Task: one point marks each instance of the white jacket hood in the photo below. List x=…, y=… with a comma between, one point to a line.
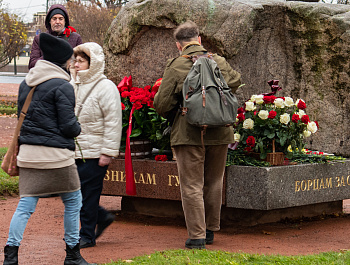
x=97, y=64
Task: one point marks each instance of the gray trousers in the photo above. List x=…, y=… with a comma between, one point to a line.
x=201, y=171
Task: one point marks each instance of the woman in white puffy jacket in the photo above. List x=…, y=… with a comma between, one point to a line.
x=98, y=109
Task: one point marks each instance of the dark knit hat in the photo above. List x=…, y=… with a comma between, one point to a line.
x=55, y=50
x=57, y=11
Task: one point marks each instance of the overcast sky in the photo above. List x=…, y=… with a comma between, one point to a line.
x=25, y=8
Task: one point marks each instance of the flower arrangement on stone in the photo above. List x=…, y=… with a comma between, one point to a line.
x=265, y=120
x=139, y=114
x=136, y=101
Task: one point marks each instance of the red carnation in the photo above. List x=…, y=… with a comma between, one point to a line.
x=123, y=106
x=150, y=104
x=240, y=110
x=250, y=141
x=138, y=105
x=241, y=117
x=272, y=114
x=72, y=29
x=305, y=119
x=248, y=149
x=125, y=84
x=295, y=118
x=153, y=93
x=269, y=99
x=301, y=104
x=68, y=31
x=317, y=125
x=156, y=85
x=125, y=94
x=161, y=158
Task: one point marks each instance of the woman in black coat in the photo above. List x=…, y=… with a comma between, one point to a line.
x=46, y=153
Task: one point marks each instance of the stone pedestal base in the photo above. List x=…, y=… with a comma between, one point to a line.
x=173, y=209
x=252, y=195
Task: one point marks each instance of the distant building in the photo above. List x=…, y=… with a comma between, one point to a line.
x=36, y=27
x=53, y=2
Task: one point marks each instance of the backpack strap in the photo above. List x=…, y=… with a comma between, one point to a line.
x=194, y=58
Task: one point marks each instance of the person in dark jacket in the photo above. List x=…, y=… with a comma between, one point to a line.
x=46, y=148
x=201, y=168
x=57, y=24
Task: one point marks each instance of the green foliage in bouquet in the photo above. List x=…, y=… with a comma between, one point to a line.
x=266, y=118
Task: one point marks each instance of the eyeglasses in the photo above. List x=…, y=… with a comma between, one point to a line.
x=80, y=61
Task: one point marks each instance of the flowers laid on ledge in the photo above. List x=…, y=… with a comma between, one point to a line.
x=239, y=157
x=161, y=158
x=266, y=118
x=137, y=106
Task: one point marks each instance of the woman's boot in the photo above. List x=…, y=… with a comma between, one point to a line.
x=73, y=256
x=11, y=255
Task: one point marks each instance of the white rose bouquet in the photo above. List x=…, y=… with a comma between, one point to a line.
x=265, y=118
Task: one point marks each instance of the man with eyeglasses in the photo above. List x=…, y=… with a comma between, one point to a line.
x=57, y=24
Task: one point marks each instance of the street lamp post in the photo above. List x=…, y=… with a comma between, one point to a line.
x=15, y=65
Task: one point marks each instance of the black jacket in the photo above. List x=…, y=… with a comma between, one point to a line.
x=50, y=120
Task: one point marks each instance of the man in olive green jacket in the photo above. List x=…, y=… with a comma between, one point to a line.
x=201, y=169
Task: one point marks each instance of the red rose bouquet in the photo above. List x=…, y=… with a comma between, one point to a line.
x=146, y=123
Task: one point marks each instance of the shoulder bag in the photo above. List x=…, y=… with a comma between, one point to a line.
x=9, y=163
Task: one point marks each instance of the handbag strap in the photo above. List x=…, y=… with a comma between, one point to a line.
x=24, y=110
x=80, y=107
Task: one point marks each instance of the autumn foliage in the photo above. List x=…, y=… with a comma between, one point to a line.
x=91, y=19
x=13, y=36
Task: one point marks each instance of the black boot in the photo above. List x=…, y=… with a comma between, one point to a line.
x=103, y=225
x=195, y=243
x=73, y=256
x=209, y=237
x=11, y=255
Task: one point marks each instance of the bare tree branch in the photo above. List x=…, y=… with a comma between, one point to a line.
x=91, y=20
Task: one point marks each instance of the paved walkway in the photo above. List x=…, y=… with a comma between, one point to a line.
x=9, y=89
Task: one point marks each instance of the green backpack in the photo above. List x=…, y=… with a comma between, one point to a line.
x=207, y=100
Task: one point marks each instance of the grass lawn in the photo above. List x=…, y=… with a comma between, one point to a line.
x=187, y=257
x=8, y=184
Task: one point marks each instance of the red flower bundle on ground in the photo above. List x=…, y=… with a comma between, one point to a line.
x=161, y=158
